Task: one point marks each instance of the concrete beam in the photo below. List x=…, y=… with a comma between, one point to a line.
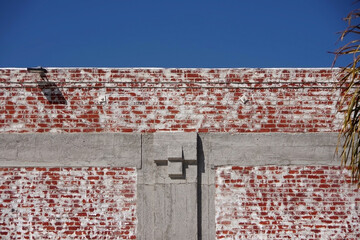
x=258, y=149
x=70, y=150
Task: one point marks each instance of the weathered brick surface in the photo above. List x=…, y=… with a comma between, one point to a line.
x=149, y=100
x=67, y=203
x=100, y=203
x=289, y=202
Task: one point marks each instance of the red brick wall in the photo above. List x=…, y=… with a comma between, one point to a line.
x=149, y=100
x=251, y=203
x=67, y=203
x=289, y=202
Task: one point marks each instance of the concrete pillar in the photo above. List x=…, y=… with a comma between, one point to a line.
x=167, y=187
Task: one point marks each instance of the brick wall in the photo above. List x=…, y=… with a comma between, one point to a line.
x=251, y=202
x=289, y=202
x=67, y=203
x=149, y=100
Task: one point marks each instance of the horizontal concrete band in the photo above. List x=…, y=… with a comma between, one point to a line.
x=119, y=149
x=70, y=150
x=257, y=149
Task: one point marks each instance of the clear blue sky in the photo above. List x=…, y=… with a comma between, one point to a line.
x=171, y=33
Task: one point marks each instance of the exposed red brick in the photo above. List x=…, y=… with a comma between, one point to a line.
x=33, y=207
x=278, y=206
x=149, y=100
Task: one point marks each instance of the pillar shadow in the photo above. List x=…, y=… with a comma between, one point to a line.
x=200, y=170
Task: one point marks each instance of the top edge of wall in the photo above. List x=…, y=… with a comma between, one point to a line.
x=159, y=68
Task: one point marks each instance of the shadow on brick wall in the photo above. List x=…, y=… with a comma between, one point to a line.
x=52, y=92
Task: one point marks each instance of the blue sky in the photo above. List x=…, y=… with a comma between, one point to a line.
x=191, y=34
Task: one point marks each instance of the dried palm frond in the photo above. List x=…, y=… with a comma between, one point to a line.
x=349, y=81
